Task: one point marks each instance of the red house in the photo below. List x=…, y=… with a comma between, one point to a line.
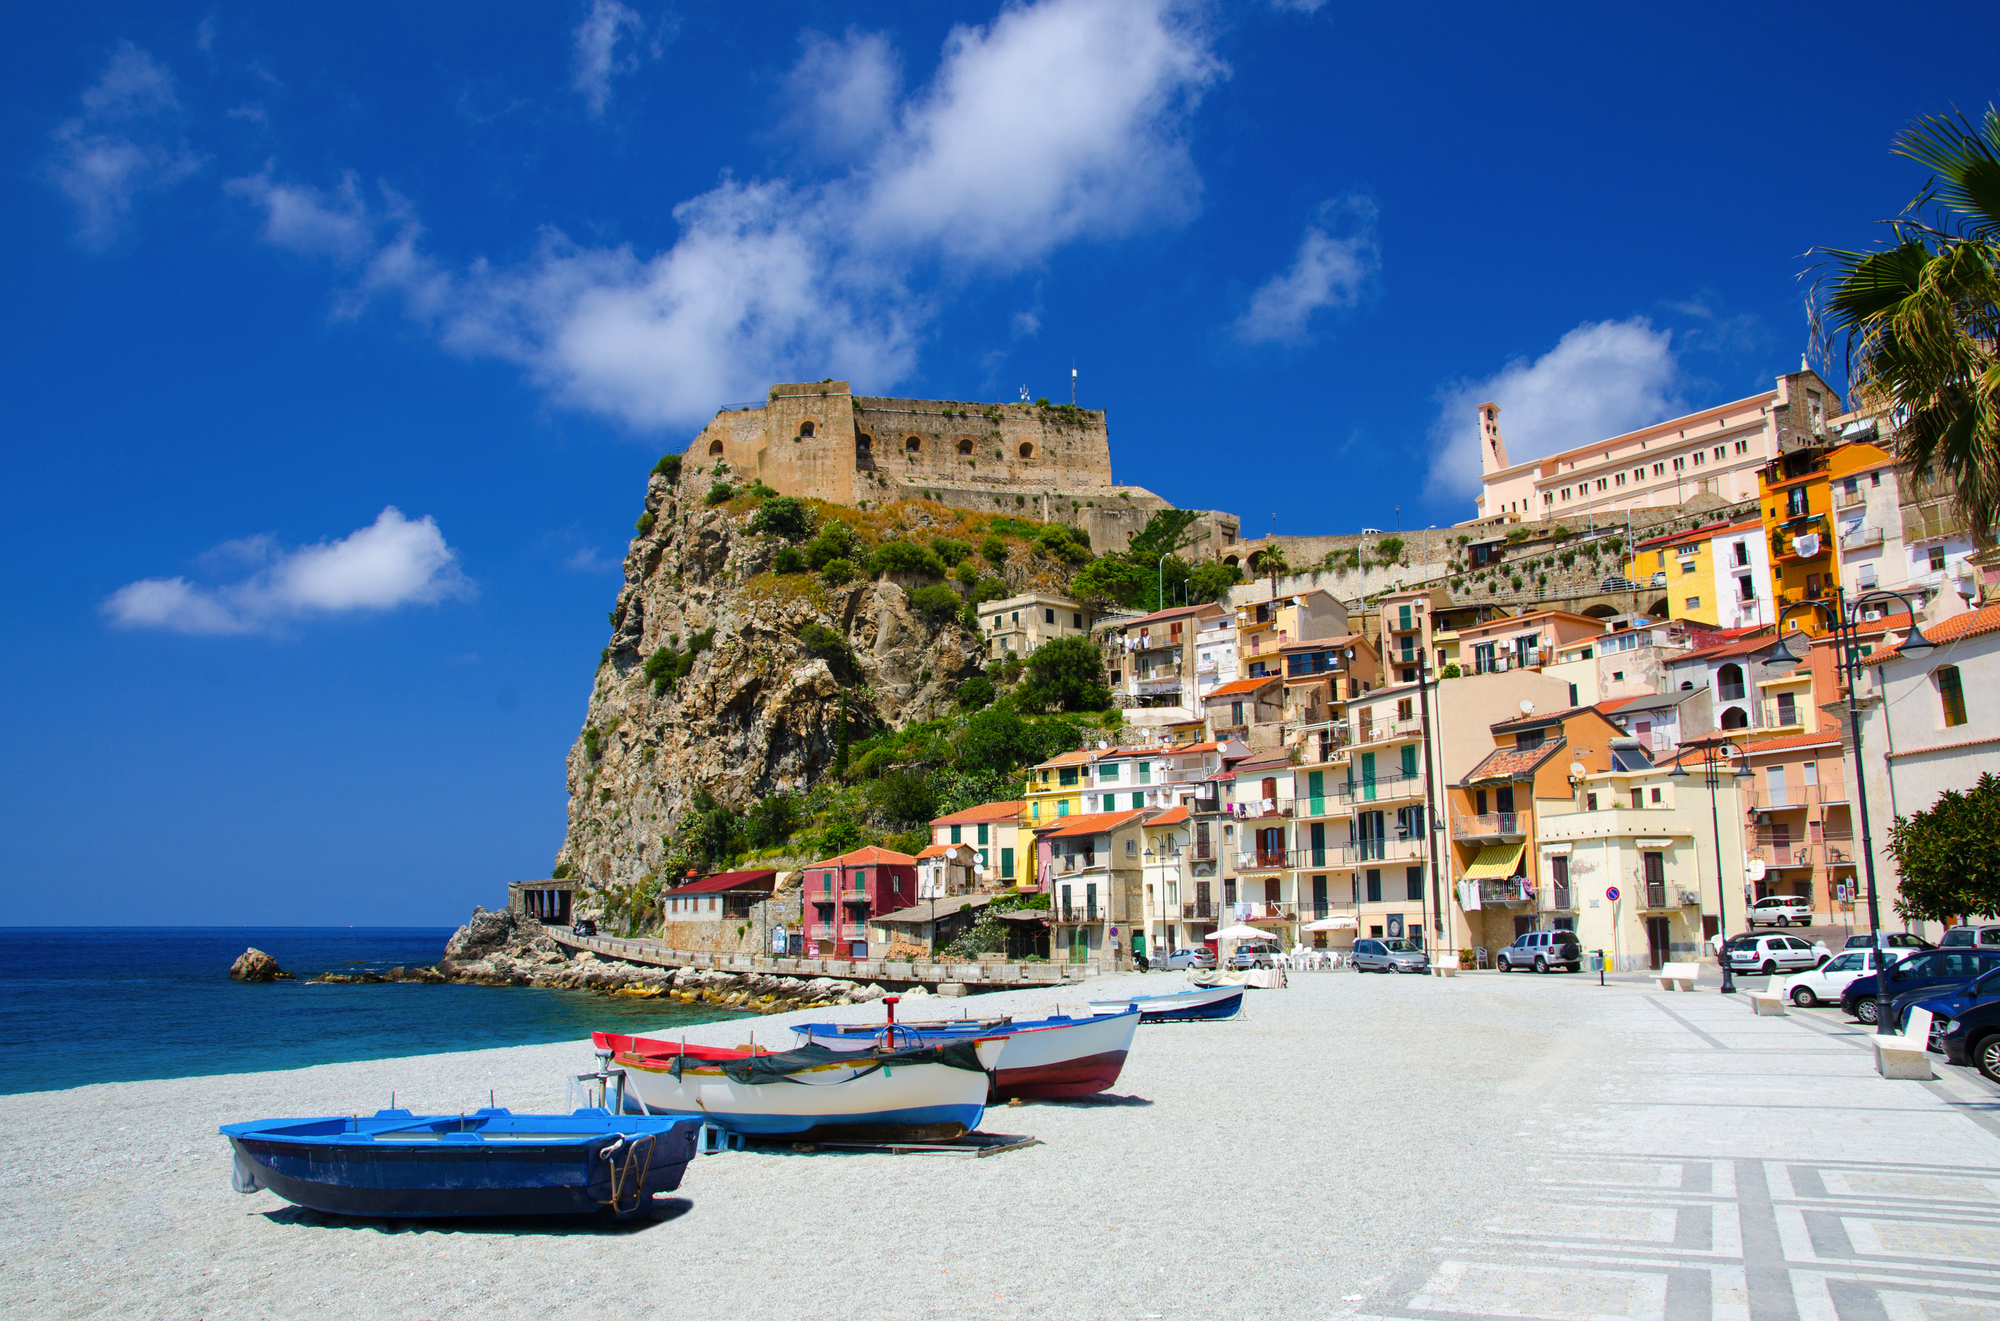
x=842, y=893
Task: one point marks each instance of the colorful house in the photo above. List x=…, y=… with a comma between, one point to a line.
x=993, y=830
x=841, y=894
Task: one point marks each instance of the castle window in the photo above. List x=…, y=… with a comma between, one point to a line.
x=1027, y=450
x=864, y=450
x=912, y=444
x=965, y=447
x=805, y=431
x=715, y=447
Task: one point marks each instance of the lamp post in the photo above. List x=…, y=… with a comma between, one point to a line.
x=1843, y=618
x=1715, y=755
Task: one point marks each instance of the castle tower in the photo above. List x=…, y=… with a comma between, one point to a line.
x=1492, y=449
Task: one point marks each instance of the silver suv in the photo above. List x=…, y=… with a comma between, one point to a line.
x=1781, y=910
x=1542, y=950
x=1373, y=954
x=1981, y=936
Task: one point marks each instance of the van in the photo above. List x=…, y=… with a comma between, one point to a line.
x=1985, y=936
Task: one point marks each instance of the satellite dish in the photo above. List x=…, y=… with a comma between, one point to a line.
x=1756, y=869
x=1527, y=707
x=1577, y=770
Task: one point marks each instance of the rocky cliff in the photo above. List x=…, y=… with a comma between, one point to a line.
x=753, y=673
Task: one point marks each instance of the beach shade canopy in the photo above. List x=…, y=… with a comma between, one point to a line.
x=1330, y=924
x=1240, y=932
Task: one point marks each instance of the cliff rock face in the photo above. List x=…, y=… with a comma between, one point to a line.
x=757, y=712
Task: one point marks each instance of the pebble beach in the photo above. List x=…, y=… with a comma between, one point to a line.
x=1292, y=1162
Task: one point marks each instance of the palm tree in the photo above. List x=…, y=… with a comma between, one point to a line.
x=1922, y=318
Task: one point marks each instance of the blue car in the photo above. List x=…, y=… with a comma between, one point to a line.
x=1942, y=969
x=1947, y=1002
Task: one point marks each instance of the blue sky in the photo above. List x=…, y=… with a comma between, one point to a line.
x=342, y=339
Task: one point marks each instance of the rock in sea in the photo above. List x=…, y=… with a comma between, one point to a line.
x=254, y=965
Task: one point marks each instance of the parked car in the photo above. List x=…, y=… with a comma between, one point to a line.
x=583, y=926
x=1542, y=950
x=1979, y=937
x=1915, y=972
x=1254, y=954
x=1769, y=954
x=1950, y=998
x=1826, y=982
x=1376, y=955
x=1780, y=910
x=1199, y=957
x=1973, y=1037
x=1891, y=939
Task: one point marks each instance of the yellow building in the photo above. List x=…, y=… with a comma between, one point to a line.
x=1717, y=574
x=1797, y=500
x=1055, y=788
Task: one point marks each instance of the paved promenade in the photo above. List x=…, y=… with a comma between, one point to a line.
x=1738, y=1167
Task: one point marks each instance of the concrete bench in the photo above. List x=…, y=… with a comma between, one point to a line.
x=1907, y=1055
x=1677, y=976
x=1768, y=1004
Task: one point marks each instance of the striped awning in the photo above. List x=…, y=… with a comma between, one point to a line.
x=1495, y=862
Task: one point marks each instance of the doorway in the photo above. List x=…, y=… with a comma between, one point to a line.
x=1656, y=942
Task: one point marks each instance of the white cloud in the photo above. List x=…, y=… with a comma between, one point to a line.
x=1329, y=271
x=392, y=562
x=125, y=142
x=843, y=92
x=1063, y=121
x=594, y=57
x=1601, y=379
x=1299, y=6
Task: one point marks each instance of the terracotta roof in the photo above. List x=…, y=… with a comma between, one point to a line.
x=1512, y=763
x=1263, y=761
x=1971, y=624
x=1076, y=758
x=1787, y=742
x=983, y=812
x=726, y=880
x=1235, y=686
x=1178, y=612
x=1090, y=823
x=1172, y=817
x=1320, y=644
x=1724, y=650
x=935, y=851
x=1536, y=718
x=868, y=857
x=1606, y=708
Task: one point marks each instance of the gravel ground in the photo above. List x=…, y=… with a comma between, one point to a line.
x=1279, y=1165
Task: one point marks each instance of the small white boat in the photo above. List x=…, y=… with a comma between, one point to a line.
x=1202, y=1002
x=1044, y=1058
x=932, y=1092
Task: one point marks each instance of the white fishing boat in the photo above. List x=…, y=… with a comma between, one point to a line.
x=929, y=1092
x=1202, y=1002
x=1044, y=1058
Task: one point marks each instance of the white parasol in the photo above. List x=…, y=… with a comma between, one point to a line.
x=1330, y=924
x=1241, y=932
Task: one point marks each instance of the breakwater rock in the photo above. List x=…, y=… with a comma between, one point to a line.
x=254, y=965
x=496, y=949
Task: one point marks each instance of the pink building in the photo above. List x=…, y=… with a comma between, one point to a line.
x=842, y=893
x=1716, y=451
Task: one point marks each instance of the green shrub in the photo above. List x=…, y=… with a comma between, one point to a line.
x=790, y=560
x=1450, y=671
x=1211, y=581
x=1066, y=674
x=669, y=665
x=836, y=541
x=771, y=821
x=593, y=744
x=837, y=572
x=951, y=550
x=720, y=492
x=967, y=572
x=1112, y=580
x=645, y=523
x=975, y=693
x=1389, y=550
x=1516, y=535
x=1061, y=542
x=936, y=602
x=559, y=872
x=784, y=516
x=821, y=640
x=759, y=491
x=906, y=557
x=995, y=551
x=669, y=467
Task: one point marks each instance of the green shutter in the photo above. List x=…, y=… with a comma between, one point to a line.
x=1006, y=864
x=1410, y=761
x=955, y=838
x=982, y=832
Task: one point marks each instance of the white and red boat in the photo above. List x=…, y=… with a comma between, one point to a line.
x=1044, y=1058
x=928, y=1092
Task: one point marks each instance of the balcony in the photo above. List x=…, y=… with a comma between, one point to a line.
x=1930, y=523
x=1264, y=861
x=1846, y=499
x=1069, y=864
x=837, y=931
x=1262, y=910
x=1489, y=825
x=1759, y=796
x=1347, y=856
x=1264, y=809
x=1200, y=911
x=1509, y=892
x=1865, y=535
x=1777, y=715
x=1205, y=805
x=1383, y=731
x=1389, y=789
x=1079, y=914
x=1784, y=539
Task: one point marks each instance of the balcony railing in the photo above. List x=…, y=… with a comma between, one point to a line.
x=1263, y=861
x=1845, y=499
x=1254, y=910
x=1200, y=910
x=837, y=931
x=1263, y=809
x=1070, y=863
x=1866, y=535
x=1381, y=731
x=1930, y=523
x=1487, y=825
x=1759, y=796
x=1383, y=790
x=1342, y=856
x=1073, y=914
x=1508, y=890
x=1776, y=714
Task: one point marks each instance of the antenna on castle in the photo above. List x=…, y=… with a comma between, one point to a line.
x=1072, y=384
x=1024, y=394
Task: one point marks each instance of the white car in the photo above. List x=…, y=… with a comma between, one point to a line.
x=1780, y=910
x=1771, y=954
x=1824, y=984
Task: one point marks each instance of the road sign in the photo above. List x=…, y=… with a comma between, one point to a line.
x=1612, y=894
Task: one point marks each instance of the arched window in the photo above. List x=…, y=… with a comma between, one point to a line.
x=1729, y=682
x=715, y=447
x=1027, y=450
x=1229, y=560
x=805, y=431
x=864, y=451
x=1733, y=718
x=965, y=447
x=912, y=444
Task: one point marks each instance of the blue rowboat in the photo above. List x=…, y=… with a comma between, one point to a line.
x=1183, y=1006
x=488, y=1163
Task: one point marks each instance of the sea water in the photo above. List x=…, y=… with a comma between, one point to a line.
x=110, y=1004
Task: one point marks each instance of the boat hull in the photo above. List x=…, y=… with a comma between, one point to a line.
x=1187, y=1006
x=381, y=1174
x=1046, y=1059
x=837, y=1096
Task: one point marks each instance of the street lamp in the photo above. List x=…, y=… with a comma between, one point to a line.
x=1843, y=617
x=1714, y=756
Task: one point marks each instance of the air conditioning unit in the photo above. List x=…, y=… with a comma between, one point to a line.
x=1871, y=616
x=1690, y=899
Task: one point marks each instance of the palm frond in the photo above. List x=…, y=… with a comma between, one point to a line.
x=1968, y=164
